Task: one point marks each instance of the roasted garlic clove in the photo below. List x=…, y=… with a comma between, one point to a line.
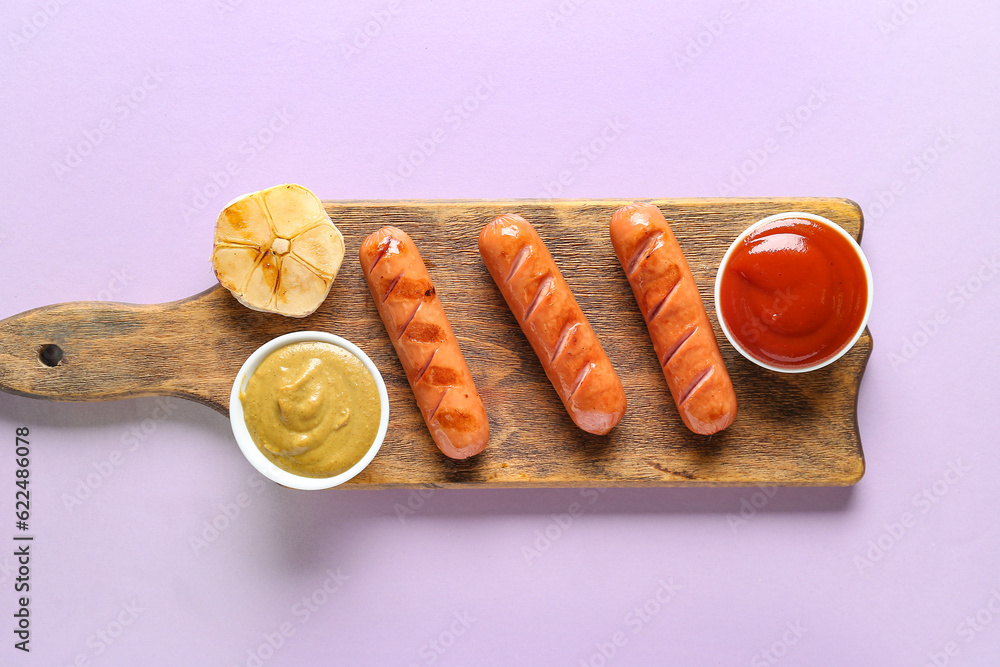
x=277, y=250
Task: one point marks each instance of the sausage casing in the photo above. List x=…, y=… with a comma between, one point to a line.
x=553, y=323
x=682, y=334
x=425, y=343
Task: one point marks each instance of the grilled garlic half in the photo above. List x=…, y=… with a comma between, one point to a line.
x=277, y=250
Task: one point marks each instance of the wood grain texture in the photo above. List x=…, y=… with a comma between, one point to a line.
x=792, y=429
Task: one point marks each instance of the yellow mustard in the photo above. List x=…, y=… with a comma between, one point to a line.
x=312, y=408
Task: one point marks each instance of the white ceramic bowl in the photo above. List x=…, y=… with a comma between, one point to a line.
x=826, y=223
x=245, y=441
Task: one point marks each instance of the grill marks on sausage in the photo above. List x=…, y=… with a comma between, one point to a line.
x=383, y=248
x=658, y=308
x=392, y=285
x=428, y=332
x=440, y=376
x=418, y=290
x=430, y=415
x=522, y=255
x=676, y=347
x=416, y=324
x=425, y=332
x=457, y=420
x=652, y=242
x=420, y=331
x=643, y=251
x=543, y=289
x=568, y=330
x=423, y=369
x=581, y=376
x=408, y=288
x=402, y=329
x=437, y=376
x=678, y=325
x=553, y=322
x=699, y=380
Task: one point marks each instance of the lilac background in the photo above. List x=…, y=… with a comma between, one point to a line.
x=132, y=221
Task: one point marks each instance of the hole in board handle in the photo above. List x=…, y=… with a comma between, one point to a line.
x=50, y=354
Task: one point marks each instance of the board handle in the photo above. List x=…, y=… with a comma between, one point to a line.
x=97, y=351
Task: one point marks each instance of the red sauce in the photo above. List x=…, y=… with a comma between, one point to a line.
x=793, y=293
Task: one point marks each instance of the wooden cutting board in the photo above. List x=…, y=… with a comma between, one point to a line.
x=791, y=429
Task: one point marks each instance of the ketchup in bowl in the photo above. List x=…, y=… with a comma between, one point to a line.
x=793, y=292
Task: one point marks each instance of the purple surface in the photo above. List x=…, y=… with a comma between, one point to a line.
x=119, y=124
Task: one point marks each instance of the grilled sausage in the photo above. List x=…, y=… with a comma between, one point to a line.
x=682, y=335
x=425, y=343
x=551, y=319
